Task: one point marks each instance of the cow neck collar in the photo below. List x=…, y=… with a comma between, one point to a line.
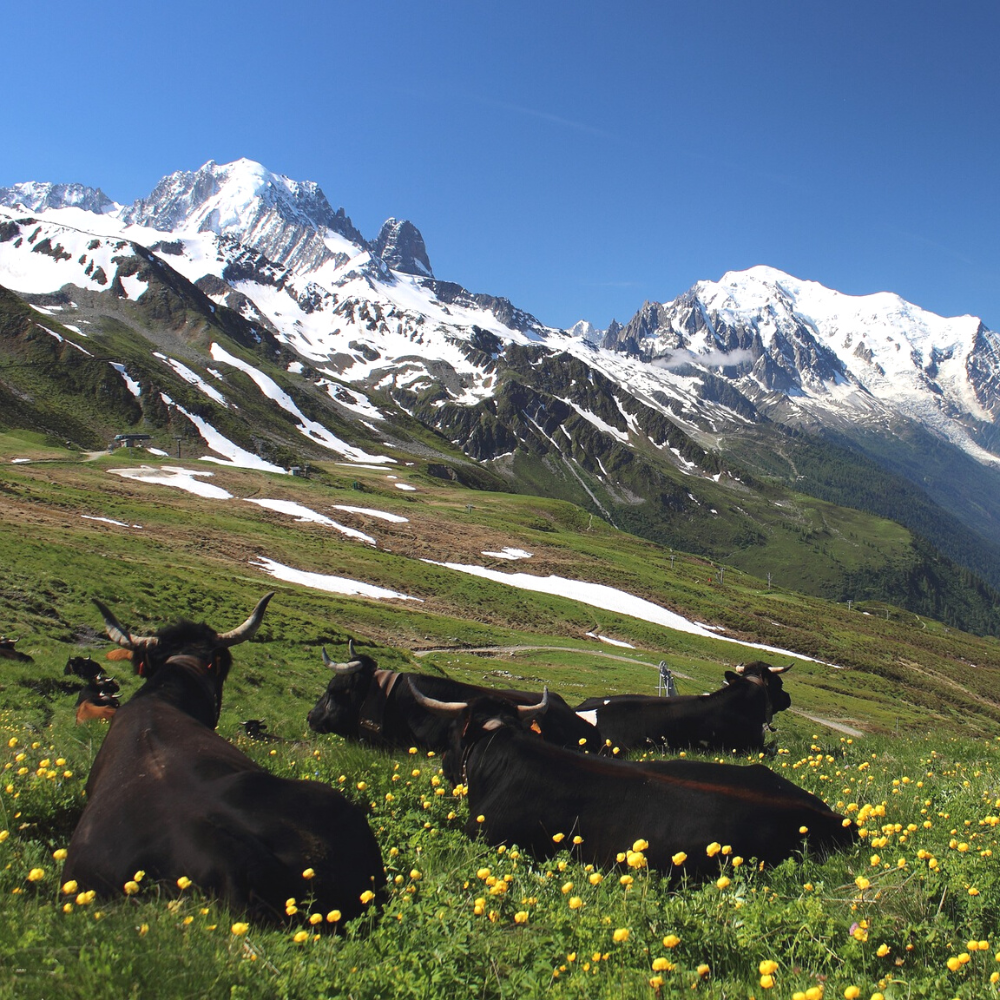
x=755, y=679
x=373, y=708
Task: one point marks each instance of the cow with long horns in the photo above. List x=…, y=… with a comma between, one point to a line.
x=364, y=703
x=170, y=797
x=524, y=791
x=733, y=718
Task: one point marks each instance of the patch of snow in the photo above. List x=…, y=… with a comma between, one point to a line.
x=108, y=520
x=405, y=486
x=233, y=454
x=508, y=553
x=311, y=428
x=133, y=386
x=394, y=518
x=179, y=478
x=609, y=640
x=331, y=584
x=305, y=514
x=193, y=378
x=598, y=595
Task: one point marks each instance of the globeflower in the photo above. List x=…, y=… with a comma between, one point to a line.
x=663, y=965
x=367, y=896
x=723, y=882
x=713, y=849
x=239, y=929
x=671, y=941
x=620, y=936
x=36, y=875
x=679, y=858
x=131, y=887
x=183, y=882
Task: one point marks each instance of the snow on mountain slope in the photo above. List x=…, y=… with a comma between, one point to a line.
x=796, y=347
x=274, y=249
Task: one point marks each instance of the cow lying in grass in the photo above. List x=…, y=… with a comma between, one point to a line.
x=364, y=703
x=524, y=791
x=98, y=698
x=170, y=797
x=733, y=718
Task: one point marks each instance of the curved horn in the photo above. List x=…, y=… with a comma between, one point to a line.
x=781, y=670
x=526, y=711
x=247, y=630
x=118, y=633
x=448, y=709
x=739, y=668
x=344, y=669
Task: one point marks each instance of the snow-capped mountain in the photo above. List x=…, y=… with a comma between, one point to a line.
x=806, y=353
x=235, y=254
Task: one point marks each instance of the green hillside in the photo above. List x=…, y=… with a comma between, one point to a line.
x=894, y=722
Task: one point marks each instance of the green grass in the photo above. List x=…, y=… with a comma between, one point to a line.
x=926, y=696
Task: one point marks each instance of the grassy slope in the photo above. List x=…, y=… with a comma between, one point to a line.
x=195, y=556
x=932, y=693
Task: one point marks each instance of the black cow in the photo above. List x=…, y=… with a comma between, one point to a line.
x=364, y=703
x=732, y=718
x=8, y=652
x=528, y=792
x=170, y=797
x=98, y=698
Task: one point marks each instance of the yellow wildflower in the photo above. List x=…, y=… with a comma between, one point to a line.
x=239, y=929
x=620, y=936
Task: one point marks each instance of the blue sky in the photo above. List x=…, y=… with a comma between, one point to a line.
x=579, y=158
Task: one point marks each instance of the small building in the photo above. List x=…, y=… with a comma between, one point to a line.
x=128, y=440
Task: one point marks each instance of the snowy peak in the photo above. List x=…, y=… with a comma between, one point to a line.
x=228, y=198
x=291, y=222
x=785, y=339
x=39, y=197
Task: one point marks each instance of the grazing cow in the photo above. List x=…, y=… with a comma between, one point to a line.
x=170, y=797
x=527, y=792
x=98, y=699
x=364, y=703
x=732, y=718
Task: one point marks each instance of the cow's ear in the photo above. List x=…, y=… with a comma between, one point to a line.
x=732, y=678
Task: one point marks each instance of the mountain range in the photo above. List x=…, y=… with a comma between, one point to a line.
x=233, y=311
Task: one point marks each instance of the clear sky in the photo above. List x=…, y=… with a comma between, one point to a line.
x=577, y=157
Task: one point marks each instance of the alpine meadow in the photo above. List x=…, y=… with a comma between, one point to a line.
x=225, y=389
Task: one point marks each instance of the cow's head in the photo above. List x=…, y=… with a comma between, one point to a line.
x=764, y=675
x=476, y=720
x=338, y=709
x=185, y=638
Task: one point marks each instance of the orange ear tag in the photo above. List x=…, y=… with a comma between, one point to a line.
x=535, y=727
